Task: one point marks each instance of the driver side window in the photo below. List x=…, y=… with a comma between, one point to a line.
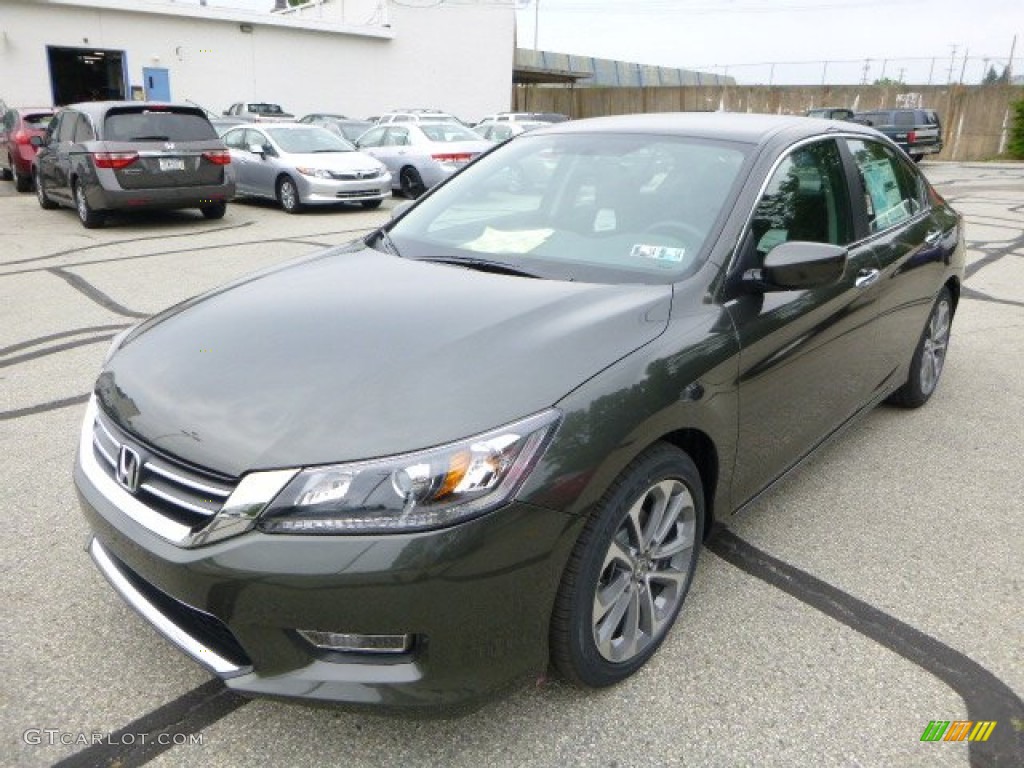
x=806, y=199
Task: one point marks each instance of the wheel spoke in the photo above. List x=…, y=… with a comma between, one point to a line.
x=658, y=500
x=608, y=596
x=619, y=553
x=631, y=626
x=673, y=578
x=606, y=627
x=673, y=548
x=632, y=523
x=681, y=506
x=650, y=622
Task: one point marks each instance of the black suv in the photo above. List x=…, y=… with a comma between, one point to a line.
x=106, y=155
x=917, y=131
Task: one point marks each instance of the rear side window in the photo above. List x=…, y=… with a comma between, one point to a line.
x=892, y=190
x=157, y=125
x=83, y=130
x=67, y=127
x=905, y=119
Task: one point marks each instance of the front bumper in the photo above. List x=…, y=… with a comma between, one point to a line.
x=315, y=191
x=477, y=598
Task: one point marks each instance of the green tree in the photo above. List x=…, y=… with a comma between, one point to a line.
x=991, y=78
x=1016, y=146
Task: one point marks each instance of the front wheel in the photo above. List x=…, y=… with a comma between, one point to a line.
x=630, y=571
x=288, y=195
x=90, y=218
x=929, y=357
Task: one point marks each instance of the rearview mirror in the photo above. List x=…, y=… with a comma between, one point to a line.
x=794, y=266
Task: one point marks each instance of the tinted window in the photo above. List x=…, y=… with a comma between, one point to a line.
x=905, y=119
x=83, y=130
x=397, y=137
x=142, y=124
x=37, y=121
x=893, y=192
x=806, y=199
x=235, y=139
x=67, y=127
x=265, y=109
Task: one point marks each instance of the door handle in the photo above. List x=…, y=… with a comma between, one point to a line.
x=866, y=277
x=933, y=238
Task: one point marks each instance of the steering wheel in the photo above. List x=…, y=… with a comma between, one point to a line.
x=677, y=229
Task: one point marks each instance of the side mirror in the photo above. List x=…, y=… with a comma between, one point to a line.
x=36, y=141
x=257, y=149
x=794, y=266
x=226, y=113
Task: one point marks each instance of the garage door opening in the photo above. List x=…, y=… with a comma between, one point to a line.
x=85, y=74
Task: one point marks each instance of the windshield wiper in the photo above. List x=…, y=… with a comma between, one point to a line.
x=315, y=151
x=150, y=138
x=484, y=265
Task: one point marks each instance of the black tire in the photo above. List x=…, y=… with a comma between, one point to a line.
x=411, y=183
x=91, y=219
x=22, y=183
x=615, y=558
x=371, y=204
x=917, y=158
x=929, y=356
x=215, y=211
x=7, y=173
x=288, y=195
x=44, y=200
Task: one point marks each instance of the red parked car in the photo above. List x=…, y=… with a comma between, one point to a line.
x=17, y=127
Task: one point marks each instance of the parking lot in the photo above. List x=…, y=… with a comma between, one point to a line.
x=877, y=588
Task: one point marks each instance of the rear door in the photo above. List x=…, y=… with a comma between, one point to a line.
x=241, y=159
x=58, y=182
x=912, y=234
x=176, y=147
x=807, y=361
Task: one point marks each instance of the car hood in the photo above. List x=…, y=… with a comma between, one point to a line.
x=354, y=354
x=335, y=161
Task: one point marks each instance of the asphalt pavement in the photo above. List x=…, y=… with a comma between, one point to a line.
x=875, y=589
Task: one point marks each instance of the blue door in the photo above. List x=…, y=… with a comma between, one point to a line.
x=157, y=84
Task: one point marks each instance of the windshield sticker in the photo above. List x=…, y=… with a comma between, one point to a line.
x=658, y=253
x=604, y=220
x=518, y=241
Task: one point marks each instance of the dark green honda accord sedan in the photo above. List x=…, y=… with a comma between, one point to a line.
x=491, y=436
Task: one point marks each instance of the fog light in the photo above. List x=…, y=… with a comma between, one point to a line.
x=347, y=643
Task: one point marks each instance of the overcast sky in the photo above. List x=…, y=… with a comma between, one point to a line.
x=909, y=38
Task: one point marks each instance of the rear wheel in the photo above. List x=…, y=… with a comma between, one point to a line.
x=215, y=211
x=929, y=357
x=41, y=196
x=22, y=183
x=630, y=570
x=288, y=195
x=6, y=173
x=412, y=183
x=371, y=204
x=91, y=219
x=917, y=158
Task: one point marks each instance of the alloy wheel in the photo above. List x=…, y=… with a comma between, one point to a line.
x=645, y=572
x=933, y=350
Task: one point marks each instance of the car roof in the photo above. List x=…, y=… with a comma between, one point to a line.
x=728, y=126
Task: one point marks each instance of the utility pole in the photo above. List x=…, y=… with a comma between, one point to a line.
x=824, y=73
x=902, y=72
x=952, y=63
x=536, y=22
x=867, y=68
x=1008, y=72
x=931, y=71
x=963, y=69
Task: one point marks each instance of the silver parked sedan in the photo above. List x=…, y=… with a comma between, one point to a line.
x=301, y=165
x=424, y=154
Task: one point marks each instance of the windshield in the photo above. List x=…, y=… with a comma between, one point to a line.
x=265, y=109
x=302, y=139
x=448, y=132
x=594, y=207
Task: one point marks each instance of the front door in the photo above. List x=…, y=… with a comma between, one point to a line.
x=806, y=360
x=157, y=84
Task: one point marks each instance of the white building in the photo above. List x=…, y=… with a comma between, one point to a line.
x=352, y=57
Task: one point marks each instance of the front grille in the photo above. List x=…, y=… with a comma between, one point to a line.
x=355, y=175
x=185, y=494
x=360, y=193
x=203, y=627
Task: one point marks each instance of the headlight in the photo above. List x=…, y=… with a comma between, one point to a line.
x=414, y=491
x=319, y=173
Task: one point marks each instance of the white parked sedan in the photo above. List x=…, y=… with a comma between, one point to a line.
x=301, y=165
x=423, y=154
